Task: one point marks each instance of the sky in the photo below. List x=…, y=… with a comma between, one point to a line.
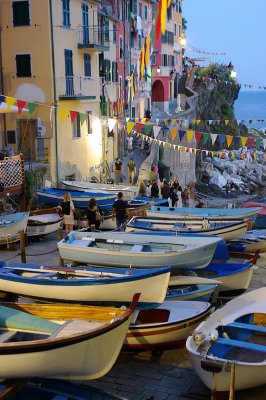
x=236, y=27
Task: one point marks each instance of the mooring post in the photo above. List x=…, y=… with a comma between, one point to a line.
x=60, y=237
x=22, y=246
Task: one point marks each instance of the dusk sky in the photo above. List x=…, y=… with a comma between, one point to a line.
x=236, y=27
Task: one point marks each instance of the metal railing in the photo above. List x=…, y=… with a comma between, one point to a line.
x=32, y=156
x=70, y=86
x=93, y=36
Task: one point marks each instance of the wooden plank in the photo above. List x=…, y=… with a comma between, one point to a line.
x=241, y=344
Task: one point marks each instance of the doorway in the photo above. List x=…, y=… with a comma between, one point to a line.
x=27, y=130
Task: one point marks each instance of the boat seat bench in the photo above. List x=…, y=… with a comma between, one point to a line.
x=5, y=336
x=137, y=248
x=250, y=327
x=241, y=344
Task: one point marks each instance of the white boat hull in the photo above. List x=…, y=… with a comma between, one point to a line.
x=10, y=232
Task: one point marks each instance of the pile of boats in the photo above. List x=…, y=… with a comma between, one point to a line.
x=154, y=285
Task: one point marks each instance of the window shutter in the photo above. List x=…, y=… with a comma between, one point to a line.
x=21, y=14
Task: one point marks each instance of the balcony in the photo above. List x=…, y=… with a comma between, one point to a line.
x=94, y=38
x=76, y=88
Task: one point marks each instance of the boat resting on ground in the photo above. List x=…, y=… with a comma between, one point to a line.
x=99, y=286
x=43, y=221
x=125, y=249
x=230, y=346
x=83, y=343
x=11, y=225
x=226, y=230
x=253, y=240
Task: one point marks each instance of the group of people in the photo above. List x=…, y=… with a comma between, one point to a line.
x=131, y=167
x=94, y=212
x=173, y=192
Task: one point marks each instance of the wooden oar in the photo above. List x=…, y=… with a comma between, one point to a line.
x=67, y=270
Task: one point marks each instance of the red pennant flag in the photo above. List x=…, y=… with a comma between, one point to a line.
x=21, y=104
x=139, y=127
x=73, y=115
x=198, y=136
x=251, y=140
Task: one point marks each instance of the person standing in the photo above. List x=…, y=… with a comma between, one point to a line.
x=179, y=197
x=154, y=189
x=165, y=189
x=172, y=199
x=175, y=182
x=118, y=168
x=192, y=195
x=131, y=166
x=94, y=214
x=68, y=211
x=120, y=211
x=130, y=145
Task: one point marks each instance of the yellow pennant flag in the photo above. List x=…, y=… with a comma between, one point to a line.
x=142, y=62
x=130, y=126
x=229, y=139
x=173, y=133
x=63, y=114
x=213, y=153
x=163, y=15
x=255, y=156
x=226, y=121
x=190, y=135
x=10, y=101
x=244, y=140
x=147, y=51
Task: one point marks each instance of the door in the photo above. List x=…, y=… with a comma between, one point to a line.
x=69, y=73
x=85, y=23
x=27, y=138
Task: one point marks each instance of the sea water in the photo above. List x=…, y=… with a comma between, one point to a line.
x=251, y=105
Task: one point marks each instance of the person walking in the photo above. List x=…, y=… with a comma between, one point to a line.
x=172, y=199
x=94, y=214
x=120, y=211
x=118, y=168
x=68, y=209
x=130, y=145
x=131, y=166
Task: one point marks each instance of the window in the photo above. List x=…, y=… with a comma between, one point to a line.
x=175, y=29
x=76, y=128
x=120, y=86
x=169, y=13
x=106, y=30
x=21, y=13
x=153, y=60
x=134, y=6
x=11, y=137
x=145, y=12
x=23, y=64
x=114, y=72
x=133, y=112
x=179, y=30
x=87, y=65
x=89, y=122
x=66, y=13
x=114, y=33
x=140, y=10
x=139, y=41
x=107, y=70
x=121, y=52
x=164, y=60
x=119, y=9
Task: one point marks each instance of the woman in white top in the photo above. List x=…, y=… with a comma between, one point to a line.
x=179, y=202
x=68, y=211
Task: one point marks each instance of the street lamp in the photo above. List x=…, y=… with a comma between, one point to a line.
x=158, y=69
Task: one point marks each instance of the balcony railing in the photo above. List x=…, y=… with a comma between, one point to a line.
x=95, y=38
x=76, y=86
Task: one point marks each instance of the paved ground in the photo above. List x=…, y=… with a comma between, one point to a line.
x=165, y=375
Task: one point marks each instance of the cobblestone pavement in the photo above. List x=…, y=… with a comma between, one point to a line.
x=160, y=375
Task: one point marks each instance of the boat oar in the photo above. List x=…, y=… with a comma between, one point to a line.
x=232, y=382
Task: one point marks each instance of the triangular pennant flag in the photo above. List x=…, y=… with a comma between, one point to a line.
x=139, y=126
x=255, y=156
x=2, y=99
x=264, y=143
x=206, y=137
x=213, y=137
x=226, y=121
x=244, y=140
x=198, y=136
x=190, y=135
x=173, y=133
x=156, y=130
x=221, y=139
x=10, y=101
x=63, y=114
x=258, y=142
x=111, y=124
x=130, y=126
x=236, y=140
x=229, y=139
x=21, y=104
x=83, y=117
x=73, y=115
x=251, y=140
x=32, y=107
x=147, y=129
x=181, y=134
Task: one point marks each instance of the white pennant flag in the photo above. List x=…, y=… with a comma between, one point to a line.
x=111, y=124
x=214, y=137
x=264, y=143
x=156, y=130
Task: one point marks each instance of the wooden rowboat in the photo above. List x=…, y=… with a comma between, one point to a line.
x=43, y=221
x=83, y=343
x=229, y=348
x=99, y=286
x=11, y=225
x=125, y=249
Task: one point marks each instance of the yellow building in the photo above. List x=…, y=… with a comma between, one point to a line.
x=52, y=55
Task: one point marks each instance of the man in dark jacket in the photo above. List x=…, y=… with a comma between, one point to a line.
x=120, y=211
